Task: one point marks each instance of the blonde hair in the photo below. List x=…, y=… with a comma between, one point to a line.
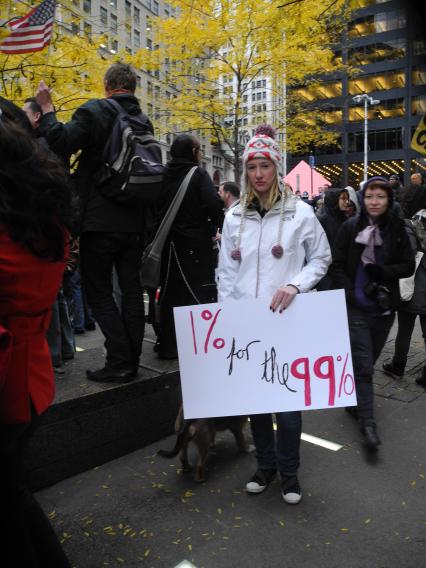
x=273, y=195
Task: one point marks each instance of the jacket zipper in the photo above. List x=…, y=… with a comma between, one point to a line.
x=258, y=257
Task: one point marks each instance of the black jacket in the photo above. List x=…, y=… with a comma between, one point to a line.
x=413, y=199
x=88, y=131
x=398, y=256
x=330, y=216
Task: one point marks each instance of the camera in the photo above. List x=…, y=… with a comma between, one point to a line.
x=380, y=293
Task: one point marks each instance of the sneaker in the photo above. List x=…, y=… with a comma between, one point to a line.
x=290, y=490
x=59, y=370
x=389, y=369
x=260, y=480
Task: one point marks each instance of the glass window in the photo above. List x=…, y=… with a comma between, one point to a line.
x=113, y=4
x=390, y=108
x=418, y=105
x=389, y=139
x=136, y=39
x=87, y=29
x=155, y=7
x=384, y=51
x=377, y=82
x=104, y=15
x=419, y=75
x=128, y=9
x=377, y=23
x=136, y=15
x=114, y=45
x=113, y=23
x=87, y=6
x=325, y=90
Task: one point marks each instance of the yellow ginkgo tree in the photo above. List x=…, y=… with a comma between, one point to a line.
x=209, y=55
x=73, y=66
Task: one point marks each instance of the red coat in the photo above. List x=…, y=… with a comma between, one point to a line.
x=28, y=289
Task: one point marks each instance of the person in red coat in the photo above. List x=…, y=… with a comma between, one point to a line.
x=34, y=216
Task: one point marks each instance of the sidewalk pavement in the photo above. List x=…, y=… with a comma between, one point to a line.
x=359, y=509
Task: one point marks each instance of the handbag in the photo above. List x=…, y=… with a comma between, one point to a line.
x=150, y=270
x=406, y=285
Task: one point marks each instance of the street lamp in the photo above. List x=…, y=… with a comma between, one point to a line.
x=367, y=101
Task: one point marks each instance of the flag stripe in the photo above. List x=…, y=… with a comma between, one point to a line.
x=27, y=38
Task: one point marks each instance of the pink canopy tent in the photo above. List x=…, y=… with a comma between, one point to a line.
x=300, y=179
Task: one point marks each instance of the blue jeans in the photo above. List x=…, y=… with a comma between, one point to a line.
x=60, y=336
x=81, y=313
x=279, y=452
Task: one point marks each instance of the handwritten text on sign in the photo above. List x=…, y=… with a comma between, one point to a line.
x=241, y=358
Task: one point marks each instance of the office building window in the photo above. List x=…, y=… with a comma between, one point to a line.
x=377, y=23
x=113, y=4
x=104, y=15
x=113, y=23
x=114, y=46
x=390, y=108
x=136, y=15
x=419, y=46
x=136, y=39
x=324, y=90
x=419, y=75
x=390, y=139
x=377, y=82
x=155, y=7
x=128, y=9
x=87, y=6
x=418, y=105
x=384, y=51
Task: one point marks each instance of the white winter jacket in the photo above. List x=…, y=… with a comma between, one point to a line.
x=306, y=252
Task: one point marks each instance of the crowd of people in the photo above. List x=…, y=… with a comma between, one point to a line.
x=69, y=251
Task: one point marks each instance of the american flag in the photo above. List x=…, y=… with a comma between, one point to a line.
x=31, y=32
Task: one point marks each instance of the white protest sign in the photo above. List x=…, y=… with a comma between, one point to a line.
x=239, y=357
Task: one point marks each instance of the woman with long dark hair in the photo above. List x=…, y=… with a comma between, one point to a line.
x=34, y=218
x=188, y=264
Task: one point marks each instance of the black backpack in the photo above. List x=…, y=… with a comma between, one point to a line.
x=132, y=169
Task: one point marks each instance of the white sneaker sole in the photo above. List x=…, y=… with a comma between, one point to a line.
x=253, y=487
x=292, y=498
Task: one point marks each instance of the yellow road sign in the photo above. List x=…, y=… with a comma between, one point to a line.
x=418, y=142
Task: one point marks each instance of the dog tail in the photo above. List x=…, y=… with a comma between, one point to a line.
x=180, y=438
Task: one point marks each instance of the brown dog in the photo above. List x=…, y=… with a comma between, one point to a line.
x=202, y=431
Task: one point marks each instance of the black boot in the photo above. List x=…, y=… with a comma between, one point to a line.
x=422, y=379
x=371, y=438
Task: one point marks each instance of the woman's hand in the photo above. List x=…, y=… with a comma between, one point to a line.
x=283, y=297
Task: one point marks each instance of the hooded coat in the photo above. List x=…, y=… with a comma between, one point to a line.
x=396, y=255
x=304, y=262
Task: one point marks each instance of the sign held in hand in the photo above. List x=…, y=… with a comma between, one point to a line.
x=241, y=358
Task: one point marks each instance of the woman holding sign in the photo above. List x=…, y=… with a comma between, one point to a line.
x=372, y=252
x=272, y=246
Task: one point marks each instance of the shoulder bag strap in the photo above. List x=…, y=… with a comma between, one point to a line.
x=169, y=217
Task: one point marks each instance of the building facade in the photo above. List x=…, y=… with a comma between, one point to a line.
x=384, y=44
